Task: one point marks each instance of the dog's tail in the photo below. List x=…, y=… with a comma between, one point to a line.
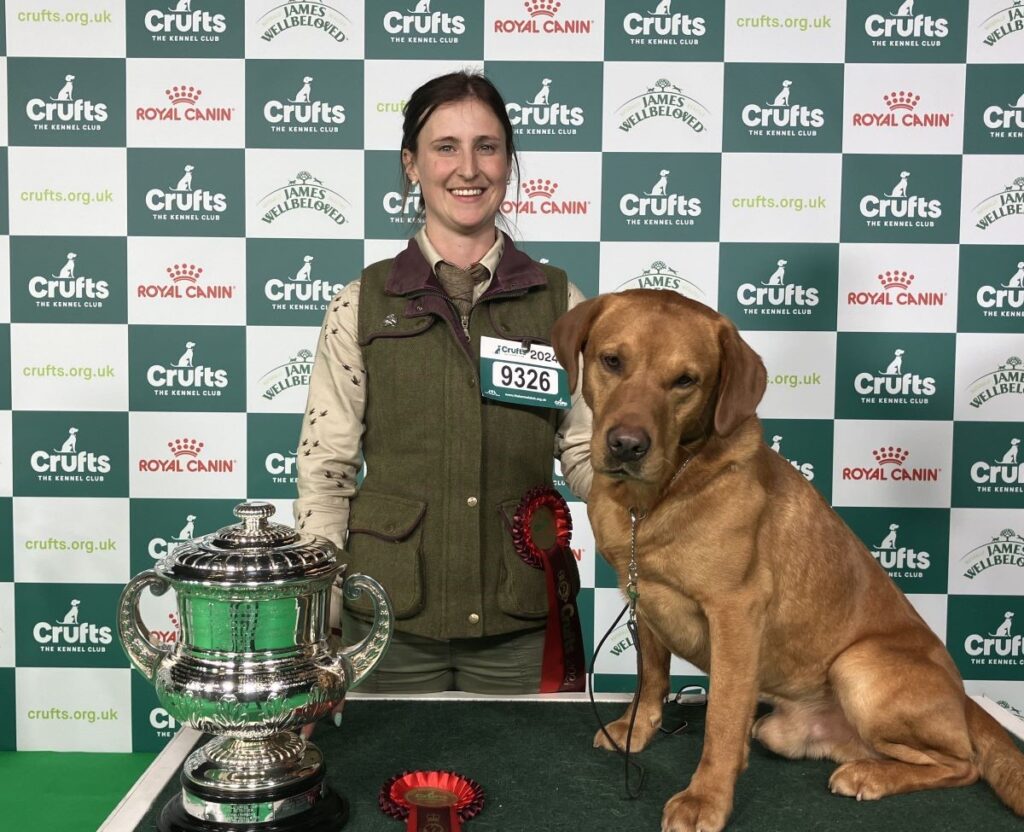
x=1000, y=761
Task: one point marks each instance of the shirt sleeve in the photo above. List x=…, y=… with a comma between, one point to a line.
x=572, y=437
x=332, y=425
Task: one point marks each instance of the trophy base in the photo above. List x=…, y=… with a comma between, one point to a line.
x=326, y=815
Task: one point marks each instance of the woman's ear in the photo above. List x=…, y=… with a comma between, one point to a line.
x=409, y=166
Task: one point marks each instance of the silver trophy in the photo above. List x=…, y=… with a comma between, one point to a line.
x=251, y=666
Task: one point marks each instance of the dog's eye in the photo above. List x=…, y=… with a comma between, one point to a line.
x=611, y=362
x=682, y=381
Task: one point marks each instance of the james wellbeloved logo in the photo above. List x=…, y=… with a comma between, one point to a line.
x=294, y=372
x=1007, y=379
x=900, y=110
x=983, y=635
x=1002, y=23
x=895, y=287
x=543, y=16
x=185, y=456
x=1006, y=202
x=311, y=15
x=663, y=102
x=186, y=281
x=181, y=103
x=659, y=275
x=929, y=31
x=991, y=289
x=889, y=465
x=307, y=194
x=1005, y=549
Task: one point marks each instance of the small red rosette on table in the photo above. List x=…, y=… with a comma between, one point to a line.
x=541, y=531
x=431, y=801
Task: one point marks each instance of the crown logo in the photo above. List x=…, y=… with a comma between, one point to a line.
x=174, y=620
x=901, y=100
x=890, y=455
x=185, y=272
x=185, y=447
x=542, y=8
x=895, y=279
x=540, y=187
x=183, y=94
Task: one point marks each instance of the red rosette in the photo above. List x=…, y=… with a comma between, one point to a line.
x=532, y=551
x=442, y=789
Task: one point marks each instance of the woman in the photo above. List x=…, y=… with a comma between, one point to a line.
x=396, y=382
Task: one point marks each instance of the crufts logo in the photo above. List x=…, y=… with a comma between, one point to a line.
x=403, y=208
x=303, y=113
x=779, y=117
x=301, y=290
x=67, y=288
x=311, y=14
x=664, y=23
x=889, y=467
x=543, y=115
x=424, y=25
x=805, y=468
x=899, y=209
x=543, y=18
x=183, y=99
x=901, y=111
x=1000, y=647
x=540, y=199
x=904, y=28
x=186, y=378
x=1007, y=21
x=901, y=561
x=183, y=202
x=895, y=291
x=1005, y=549
x=659, y=206
x=65, y=112
x=71, y=635
x=183, y=24
x=775, y=296
x=304, y=193
x=1007, y=202
x=186, y=458
x=281, y=467
x=1003, y=475
x=659, y=275
x=294, y=372
x=1006, y=379
x=663, y=101
x=893, y=386
x=184, y=281
x=159, y=547
x=69, y=463
x=1005, y=300
x=1009, y=118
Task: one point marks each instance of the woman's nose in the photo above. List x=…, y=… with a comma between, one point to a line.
x=468, y=165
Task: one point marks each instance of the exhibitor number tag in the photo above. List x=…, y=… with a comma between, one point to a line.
x=510, y=372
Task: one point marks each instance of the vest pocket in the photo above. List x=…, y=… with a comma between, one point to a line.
x=385, y=537
x=522, y=590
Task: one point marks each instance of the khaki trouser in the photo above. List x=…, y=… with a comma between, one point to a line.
x=506, y=664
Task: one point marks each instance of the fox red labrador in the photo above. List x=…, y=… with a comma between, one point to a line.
x=745, y=571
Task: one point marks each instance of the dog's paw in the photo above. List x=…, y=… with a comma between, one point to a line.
x=691, y=812
x=861, y=779
x=643, y=730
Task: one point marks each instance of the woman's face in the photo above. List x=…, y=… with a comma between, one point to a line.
x=462, y=167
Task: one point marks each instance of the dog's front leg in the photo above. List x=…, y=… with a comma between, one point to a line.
x=734, y=629
x=647, y=701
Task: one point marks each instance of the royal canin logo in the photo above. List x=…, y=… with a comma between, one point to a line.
x=166, y=636
x=901, y=111
x=540, y=199
x=895, y=291
x=183, y=99
x=185, y=458
x=889, y=467
x=183, y=281
x=543, y=19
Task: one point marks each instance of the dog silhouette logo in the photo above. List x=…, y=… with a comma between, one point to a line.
x=900, y=191
x=895, y=367
x=422, y=7
x=661, y=186
x=302, y=96
x=70, y=445
x=188, y=530
x=782, y=99
x=302, y=275
x=906, y=9
x=185, y=183
x=890, y=539
x=71, y=616
x=777, y=277
x=777, y=444
x=1017, y=281
x=663, y=8
x=182, y=6
x=186, y=357
x=543, y=94
x=66, y=93
x=67, y=271
x=1010, y=457
x=1003, y=631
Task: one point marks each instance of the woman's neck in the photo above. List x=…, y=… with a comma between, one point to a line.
x=459, y=249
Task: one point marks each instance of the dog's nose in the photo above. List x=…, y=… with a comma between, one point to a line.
x=628, y=444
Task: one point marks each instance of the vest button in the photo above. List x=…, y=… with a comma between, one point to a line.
x=474, y=618
x=471, y=502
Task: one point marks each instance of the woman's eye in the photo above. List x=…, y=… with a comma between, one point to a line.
x=611, y=362
x=683, y=381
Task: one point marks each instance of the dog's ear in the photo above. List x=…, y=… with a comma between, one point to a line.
x=569, y=335
x=742, y=381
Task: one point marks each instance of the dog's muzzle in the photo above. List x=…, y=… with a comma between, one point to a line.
x=627, y=444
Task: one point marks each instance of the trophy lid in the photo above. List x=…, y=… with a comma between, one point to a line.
x=253, y=551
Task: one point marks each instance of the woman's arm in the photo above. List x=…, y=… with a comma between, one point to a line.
x=572, y=439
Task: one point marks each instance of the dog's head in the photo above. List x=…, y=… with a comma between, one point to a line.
x=660, y=371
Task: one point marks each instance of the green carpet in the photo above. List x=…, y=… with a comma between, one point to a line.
x=540, y=774
x=48, y=792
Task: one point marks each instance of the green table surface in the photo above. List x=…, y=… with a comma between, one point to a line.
x=540, y=773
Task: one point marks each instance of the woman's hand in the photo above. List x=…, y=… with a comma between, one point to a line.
x=307, y=730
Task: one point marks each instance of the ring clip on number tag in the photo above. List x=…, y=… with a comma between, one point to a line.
x=518, y=374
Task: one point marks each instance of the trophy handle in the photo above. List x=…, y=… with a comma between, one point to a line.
x=363, y=657
x=144, y=655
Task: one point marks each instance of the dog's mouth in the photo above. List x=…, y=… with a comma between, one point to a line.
x=620, y=472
